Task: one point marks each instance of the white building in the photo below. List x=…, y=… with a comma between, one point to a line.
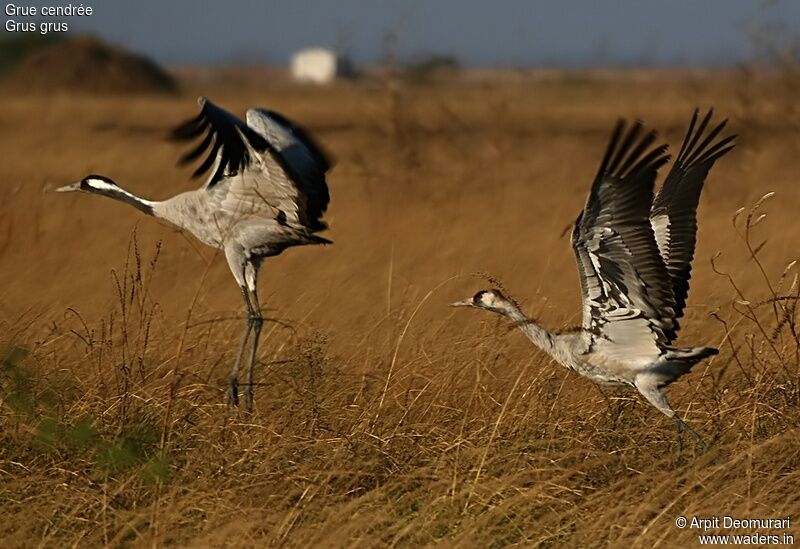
x=318, y=65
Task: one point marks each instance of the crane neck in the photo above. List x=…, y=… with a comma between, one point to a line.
x=120, y=194
x=539, y=336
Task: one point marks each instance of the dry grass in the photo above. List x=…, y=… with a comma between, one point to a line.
x=382, y=417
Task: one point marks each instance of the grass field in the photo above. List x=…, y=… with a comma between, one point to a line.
x=384, y=418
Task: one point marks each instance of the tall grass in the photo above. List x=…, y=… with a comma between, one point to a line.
x=447, y=441
x=382, y=417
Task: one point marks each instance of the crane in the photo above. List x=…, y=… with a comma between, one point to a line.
x=265, y=191
x=634, y=253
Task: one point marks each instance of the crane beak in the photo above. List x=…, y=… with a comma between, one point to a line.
x=69, y=188
x=463, y=303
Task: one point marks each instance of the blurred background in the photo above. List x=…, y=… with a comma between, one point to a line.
x=366, y=36
x=510, y=33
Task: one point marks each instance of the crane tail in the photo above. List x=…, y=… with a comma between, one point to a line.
x=677, y=361
x=691, y=354
x=320, y=240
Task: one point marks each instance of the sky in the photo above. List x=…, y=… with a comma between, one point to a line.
x=567, y=33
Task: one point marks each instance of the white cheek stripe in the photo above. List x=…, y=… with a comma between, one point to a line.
x=102, y=185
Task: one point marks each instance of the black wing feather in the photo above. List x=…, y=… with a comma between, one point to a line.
x=221, y=135
x=674, y=211
x=627, y=272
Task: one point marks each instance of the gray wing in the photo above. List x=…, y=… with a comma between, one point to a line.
x=304, y=159
x=253, y=174
x=627, y=295
x=674, y=212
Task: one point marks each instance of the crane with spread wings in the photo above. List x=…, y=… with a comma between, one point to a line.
x=634, y=252
x=266, y=191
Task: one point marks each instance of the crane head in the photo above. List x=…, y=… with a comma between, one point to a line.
x=90, y=183
x=490, y=300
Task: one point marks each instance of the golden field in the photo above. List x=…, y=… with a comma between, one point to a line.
x=383, y=417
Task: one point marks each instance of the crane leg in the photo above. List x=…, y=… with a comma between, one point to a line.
x=649, y=385
x=683, y=428
x=256, y=321
x=233, y=379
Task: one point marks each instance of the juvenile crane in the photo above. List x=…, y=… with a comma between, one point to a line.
x=266, y=191
x=634, y=255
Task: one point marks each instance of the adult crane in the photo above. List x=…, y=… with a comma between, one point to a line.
x=265, y=192
x=634, y=255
